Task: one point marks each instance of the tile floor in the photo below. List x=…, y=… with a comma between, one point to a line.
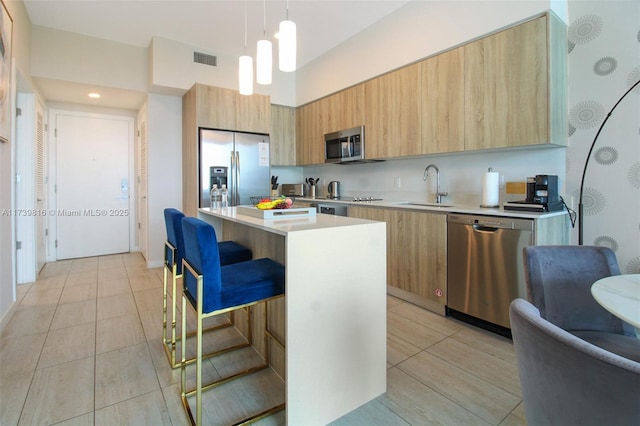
x=83, y=347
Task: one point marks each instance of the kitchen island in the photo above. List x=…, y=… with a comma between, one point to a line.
x=333, y=317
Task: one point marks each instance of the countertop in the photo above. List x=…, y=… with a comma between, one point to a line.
x=445, y=208
x=284, y=226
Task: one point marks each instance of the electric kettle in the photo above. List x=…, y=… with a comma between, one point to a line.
x=334, y=189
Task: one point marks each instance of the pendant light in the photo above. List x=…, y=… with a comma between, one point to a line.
x=287, y=44
x=264, y=57
x=245, y=64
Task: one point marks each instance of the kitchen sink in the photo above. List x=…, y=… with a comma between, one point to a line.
x=427, y=204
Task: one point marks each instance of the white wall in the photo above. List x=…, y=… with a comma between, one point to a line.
x=164, y=166
x=172, y=71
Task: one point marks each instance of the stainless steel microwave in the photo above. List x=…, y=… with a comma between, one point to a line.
x=344, y=146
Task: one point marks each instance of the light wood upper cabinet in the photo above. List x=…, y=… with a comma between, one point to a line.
x=507, y=87
x=216, y=108
x=442, y=95
x=339, y=111
x=221, y=108
x=283, y=136
x=416, y=254
x=392, y=114
x=345, y=109
x=310, y=133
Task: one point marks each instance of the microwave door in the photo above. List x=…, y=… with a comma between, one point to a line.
x=332, y=151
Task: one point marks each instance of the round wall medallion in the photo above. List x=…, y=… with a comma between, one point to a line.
x=585, y=29
x=606, y=155
x=586, y=114
x=605, y=66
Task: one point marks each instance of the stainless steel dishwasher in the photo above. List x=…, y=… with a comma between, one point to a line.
x=485, y=266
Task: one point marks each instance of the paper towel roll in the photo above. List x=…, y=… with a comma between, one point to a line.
x=491, y=189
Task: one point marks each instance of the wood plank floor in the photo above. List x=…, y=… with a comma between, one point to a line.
x=83, y=347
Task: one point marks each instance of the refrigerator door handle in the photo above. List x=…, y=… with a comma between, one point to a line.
x=231, y=181
x=237, y=182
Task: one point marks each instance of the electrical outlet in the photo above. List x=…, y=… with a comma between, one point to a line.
x=397, y=182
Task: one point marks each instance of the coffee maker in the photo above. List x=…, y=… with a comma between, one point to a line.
x=542, y=195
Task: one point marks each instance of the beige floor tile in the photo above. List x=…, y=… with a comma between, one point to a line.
x=84, y=265
x=82, y=278
x=374, y=413
x=13, y=392
x=112, y=273
x=149, y=300
x=68, y=344
x=83, y=420
x=118, y=333
x=79, y=293
x=419, y=404
x=124, y=374
x=426, y=318
x=20, y=354
x=471, y=392
x=29, y=320
x=56, y=281
x=488, y=342
x=41, y=296
x=486, y=366
x=70, y=314
x=152, y=324
x=174, y=405
x=412, y=332
x=147, y=409
x=241, y=398
x=516, y=417
x=55, y=268
x=145, y=282
x=110, y=261
x=399, y=349
x=116, y=306
x=134, y=259
x=114, y=287
x=59, y=393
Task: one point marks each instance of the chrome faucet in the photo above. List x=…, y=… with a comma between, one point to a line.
x=439, y=194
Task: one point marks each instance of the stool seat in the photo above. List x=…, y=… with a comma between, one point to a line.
x=230, y=252
x=242, y=283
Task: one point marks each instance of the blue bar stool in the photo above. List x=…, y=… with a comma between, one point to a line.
x=230, y=252
x=212, y=289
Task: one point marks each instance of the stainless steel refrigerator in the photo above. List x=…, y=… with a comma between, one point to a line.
x=239, y=160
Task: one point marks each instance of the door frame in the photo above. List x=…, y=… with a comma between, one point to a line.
x=53, y=173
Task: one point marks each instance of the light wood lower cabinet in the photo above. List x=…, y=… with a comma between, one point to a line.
x=416, y=254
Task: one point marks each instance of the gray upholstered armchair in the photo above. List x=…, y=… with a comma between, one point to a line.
x=559, y=280
x=568, y=381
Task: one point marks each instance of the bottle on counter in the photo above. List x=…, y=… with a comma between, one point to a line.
x=224, y=196
x=215, y=197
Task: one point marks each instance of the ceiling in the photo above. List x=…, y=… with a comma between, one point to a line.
x=216, y=26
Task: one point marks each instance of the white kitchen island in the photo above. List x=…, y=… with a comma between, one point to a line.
x=333, y=317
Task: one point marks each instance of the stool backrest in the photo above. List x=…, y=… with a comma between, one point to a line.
x=201, y=251
x=173, y=223
x=559, y=280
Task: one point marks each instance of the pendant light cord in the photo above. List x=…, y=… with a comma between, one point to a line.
x=264, y=20
x=245, y=26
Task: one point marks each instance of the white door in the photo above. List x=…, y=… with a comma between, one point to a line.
x=92, y=185
x=141, y=170
x=41, y=188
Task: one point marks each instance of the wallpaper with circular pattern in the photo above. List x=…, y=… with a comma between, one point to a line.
x=604, y=63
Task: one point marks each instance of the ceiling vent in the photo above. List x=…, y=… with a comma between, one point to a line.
x=203, y=58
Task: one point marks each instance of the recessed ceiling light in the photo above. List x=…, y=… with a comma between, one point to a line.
x=94, y=95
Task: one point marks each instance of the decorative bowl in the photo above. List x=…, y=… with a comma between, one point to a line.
x=270, y=203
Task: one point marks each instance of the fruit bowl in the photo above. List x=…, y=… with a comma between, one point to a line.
x=272, y=203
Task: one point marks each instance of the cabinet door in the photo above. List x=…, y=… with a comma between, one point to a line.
x=506, y=96
x=392, y=114
x=442, y=116
x=221, y=108
x=345, y=109
x=283, y=136
x=310, y=133
x=416, y=250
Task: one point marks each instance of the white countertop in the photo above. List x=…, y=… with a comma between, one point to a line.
x=445, y=208
x=283, y=226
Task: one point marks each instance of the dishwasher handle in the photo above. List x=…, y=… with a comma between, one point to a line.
x=484, y=229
